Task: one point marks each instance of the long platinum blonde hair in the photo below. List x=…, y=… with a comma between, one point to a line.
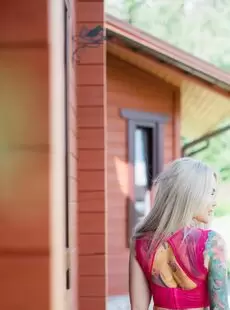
x=182, y=190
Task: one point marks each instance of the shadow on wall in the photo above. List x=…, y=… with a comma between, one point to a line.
x=117, y=221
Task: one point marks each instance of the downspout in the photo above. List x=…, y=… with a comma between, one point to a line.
x=206, y=138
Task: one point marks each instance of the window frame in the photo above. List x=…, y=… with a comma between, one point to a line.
x=155, y=122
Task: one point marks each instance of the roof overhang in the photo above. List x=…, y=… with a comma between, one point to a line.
x=164, y=52
x=205, y=89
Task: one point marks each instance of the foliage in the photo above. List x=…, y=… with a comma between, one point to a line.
x=217, y=154
x=223, y=209
x=228, y=268
x=200, y=27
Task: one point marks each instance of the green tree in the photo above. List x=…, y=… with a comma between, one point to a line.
x=200, y=27
x=217, y=154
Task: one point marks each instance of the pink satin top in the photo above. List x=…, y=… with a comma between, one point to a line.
x=188, y=247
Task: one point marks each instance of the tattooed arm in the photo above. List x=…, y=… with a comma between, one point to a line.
x=217, y=277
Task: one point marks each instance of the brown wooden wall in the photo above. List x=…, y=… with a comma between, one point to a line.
x=91, y=163
x=128, y=87
x=24, y=155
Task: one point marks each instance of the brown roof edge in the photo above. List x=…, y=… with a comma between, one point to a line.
x=125, y=30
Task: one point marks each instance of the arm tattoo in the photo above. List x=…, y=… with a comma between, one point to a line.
x=217, y=277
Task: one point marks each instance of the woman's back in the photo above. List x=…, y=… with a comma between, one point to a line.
x=188, y=270
x=177, y=271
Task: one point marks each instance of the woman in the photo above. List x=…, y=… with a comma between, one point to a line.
x=172, y=259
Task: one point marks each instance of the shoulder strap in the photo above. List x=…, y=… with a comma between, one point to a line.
x=188, y=247
x=142, y=254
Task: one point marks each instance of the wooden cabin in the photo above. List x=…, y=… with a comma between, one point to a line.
x=72, y=133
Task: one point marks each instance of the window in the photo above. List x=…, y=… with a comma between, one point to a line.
x=143, y=164
x=145, y=156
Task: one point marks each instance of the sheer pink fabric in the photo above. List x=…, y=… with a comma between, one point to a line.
x=188, y=247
